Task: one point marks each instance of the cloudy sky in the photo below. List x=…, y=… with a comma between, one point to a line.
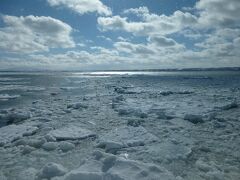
x=118, y=34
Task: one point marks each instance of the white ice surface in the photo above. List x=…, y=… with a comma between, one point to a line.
x=141, y=126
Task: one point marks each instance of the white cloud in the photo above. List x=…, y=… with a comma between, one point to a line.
x=83, y=6
x=105, y=38
x=213, y=25
x=221, y=43
x=219, y=13
x=150, y=23
x=207, y=14
x=120, y=38
x=34, y=33
x=157, y=48
x=192, y=34
x=134, y=49
x=138, y=11
x=162, y=41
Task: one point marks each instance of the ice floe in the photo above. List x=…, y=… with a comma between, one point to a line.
x=28, y=174
x=13, y=132
x=71, y=133
x=166, y=93
x=230, y=106
x=195, y=119
x=36, y=143
x=50, y=146
x=66, y=146
x=51, y=170
x=126, y=136
x=10, y=116
x=110, y=167
x=5, y=97
x=77, y=106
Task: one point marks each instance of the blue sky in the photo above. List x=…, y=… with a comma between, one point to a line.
x=123, y=34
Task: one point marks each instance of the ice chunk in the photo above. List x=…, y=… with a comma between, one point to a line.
x=126, y=111
x=71, y=133
x=195, y=119
x=34, y=88
x=50, y=138
x=50, y=146
x=91, y=170
x=7, y=96
x=111, y=145
x=135, y=122
x=125, y=169
x=51, y=170
x=118, y=99
x=116, y=168
x=202, y=166
x=28, y=174
x=77, y=106
x=2, y=177
x=54, y=93
x=163, y=115
x=27, y=149
x=66, y=146
x=84, y=175
x=167, y=93
x=230, y=106
x=14, y=132
x=20, y=142
x=68, y=88
x=126, y=136
x=37, y=143
x=217, y=174
x=12, y=116
x=169, y=151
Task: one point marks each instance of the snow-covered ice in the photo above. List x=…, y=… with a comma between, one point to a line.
x=70, y=126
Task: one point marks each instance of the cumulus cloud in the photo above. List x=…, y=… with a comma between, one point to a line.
x=156, y=48
x=83, y=6
x=131, y=48
x=212, y=28
x=221, y=43
x=219, y=13
x=149, y=24
x=34, y=33
x=162, y=41
x=138, y=11
x=208, y=14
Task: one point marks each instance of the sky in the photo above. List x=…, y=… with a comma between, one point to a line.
x=118, y=34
